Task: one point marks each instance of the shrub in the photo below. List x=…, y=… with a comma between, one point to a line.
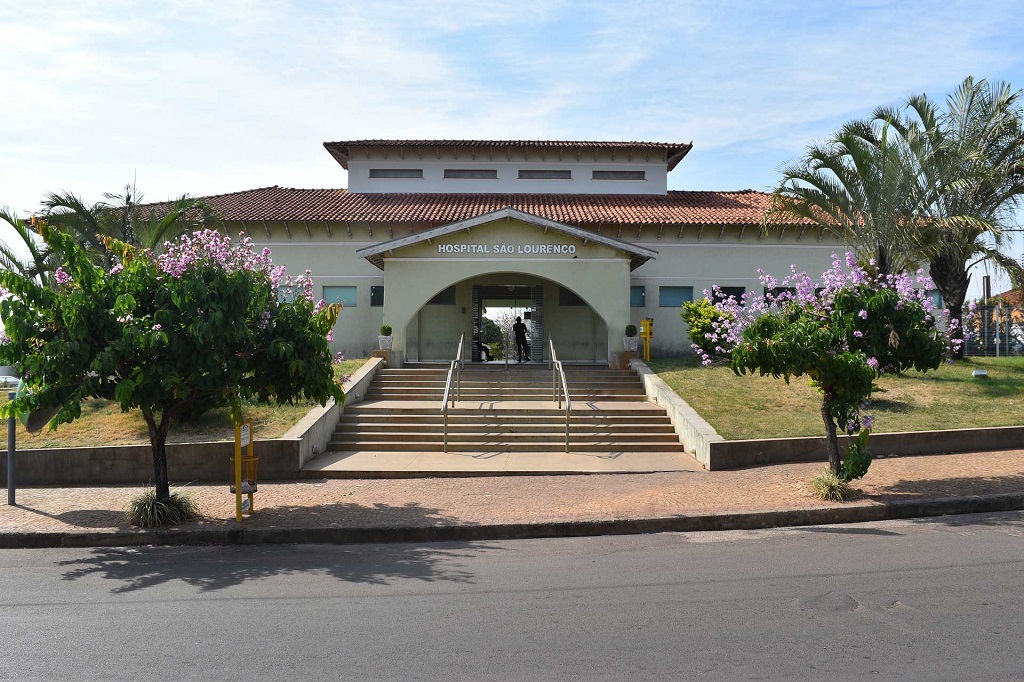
x=707, y=327
x=630, y=330
x=148, y=511
x=385, y=330
x=831, y=487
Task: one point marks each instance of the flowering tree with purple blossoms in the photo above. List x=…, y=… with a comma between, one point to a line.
x=842, y=332
x=208, y=323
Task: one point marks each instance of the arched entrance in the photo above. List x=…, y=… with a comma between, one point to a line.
x=549, y=310
x=439, y=267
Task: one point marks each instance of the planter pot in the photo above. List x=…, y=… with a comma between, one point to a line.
x=385, y=342
x=630, y=343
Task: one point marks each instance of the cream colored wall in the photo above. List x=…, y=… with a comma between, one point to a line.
x=507, y=167
x=713, y=258
x=414, y=274
x=333, y=261
x=705, y=262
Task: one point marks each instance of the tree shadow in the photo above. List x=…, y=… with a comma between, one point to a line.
x=948, y=487
x=85, y=518
x=212, y=568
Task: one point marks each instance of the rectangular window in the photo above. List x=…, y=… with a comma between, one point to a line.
x=673, y=297
x=343, y=295
x=567, y=297
x=396, y=173
x=444, y=297
x=775, y=292
x=470, y=174
x=619, y=175
x=726, y=292
x=377, y=295
x=545, y=175
x=637, y=296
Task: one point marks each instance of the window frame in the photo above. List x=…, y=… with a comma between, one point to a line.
x=662, y=291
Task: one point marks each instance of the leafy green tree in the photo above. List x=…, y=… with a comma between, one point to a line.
x=842, y=335
x=969, y=163
x=208, y=323
x=126, y=218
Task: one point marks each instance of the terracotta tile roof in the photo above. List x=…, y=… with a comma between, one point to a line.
x=674, y=151
x=745, y=207
x=1013, y=297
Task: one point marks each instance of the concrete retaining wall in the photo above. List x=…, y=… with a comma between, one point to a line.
x=709, y=448
x=280, y=458
x=697, y=435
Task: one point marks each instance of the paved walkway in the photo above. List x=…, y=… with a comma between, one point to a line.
x=294, y=508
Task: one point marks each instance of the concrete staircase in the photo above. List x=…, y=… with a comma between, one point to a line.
x=505, y=411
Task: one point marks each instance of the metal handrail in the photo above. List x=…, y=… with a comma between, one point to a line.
x=557, y=365
x=454, y=372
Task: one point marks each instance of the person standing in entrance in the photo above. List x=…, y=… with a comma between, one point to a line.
x=522, y=346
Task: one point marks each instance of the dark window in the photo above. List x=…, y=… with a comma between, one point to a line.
x=470, y=174
x=775, y=292
x=568, y=297
x=725, y=292
x=673, y=297
x=377, y=295
x=444, y=297
x=637, y=296
x=396, y=172
x=545, y=175
x=619, y=175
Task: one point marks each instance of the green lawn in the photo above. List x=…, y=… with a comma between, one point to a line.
x=103, y=423
x=741, y=407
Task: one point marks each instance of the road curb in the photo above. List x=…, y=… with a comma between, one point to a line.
x=853, y=513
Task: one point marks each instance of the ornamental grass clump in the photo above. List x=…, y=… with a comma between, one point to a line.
x=149, y=511
x=843, y=332
x=831, y=487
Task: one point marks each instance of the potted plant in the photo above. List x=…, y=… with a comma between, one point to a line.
x=385, y=338
x=630, y=342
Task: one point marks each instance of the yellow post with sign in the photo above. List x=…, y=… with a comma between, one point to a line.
x=646, y=332
x=245, y=469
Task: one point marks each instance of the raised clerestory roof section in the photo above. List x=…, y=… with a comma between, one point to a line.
x=507, y=166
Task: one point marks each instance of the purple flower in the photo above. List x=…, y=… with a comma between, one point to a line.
x=859, y=334
x=116, y=269
x=863, y=314
x=866, y=421
x=61, y=277
x=873, y=363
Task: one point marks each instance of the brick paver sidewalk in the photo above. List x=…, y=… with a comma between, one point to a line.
x=528, y=499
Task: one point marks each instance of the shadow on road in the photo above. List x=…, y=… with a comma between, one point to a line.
x=214, y=568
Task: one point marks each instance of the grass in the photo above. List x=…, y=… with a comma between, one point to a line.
x=742, y=407
x=103, y=423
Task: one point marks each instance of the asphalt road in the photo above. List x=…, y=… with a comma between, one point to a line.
x=929, y=599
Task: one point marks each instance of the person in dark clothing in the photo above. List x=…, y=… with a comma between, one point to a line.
x=522, y=345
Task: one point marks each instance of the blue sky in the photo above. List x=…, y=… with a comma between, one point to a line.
x=209, y=97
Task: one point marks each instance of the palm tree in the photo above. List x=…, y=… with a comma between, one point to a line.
x=969, y=161
x=856, y=186
x=127, y=218
x=39, y=265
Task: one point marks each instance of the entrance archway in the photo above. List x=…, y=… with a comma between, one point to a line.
x=550, y=310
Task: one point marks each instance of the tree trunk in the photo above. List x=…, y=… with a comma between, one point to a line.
x=951, y=279
x=831, y=442
x=158, y=443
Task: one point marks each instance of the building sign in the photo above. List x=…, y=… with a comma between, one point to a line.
x=509, y=249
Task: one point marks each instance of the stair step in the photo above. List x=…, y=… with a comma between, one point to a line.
x=505, y=446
